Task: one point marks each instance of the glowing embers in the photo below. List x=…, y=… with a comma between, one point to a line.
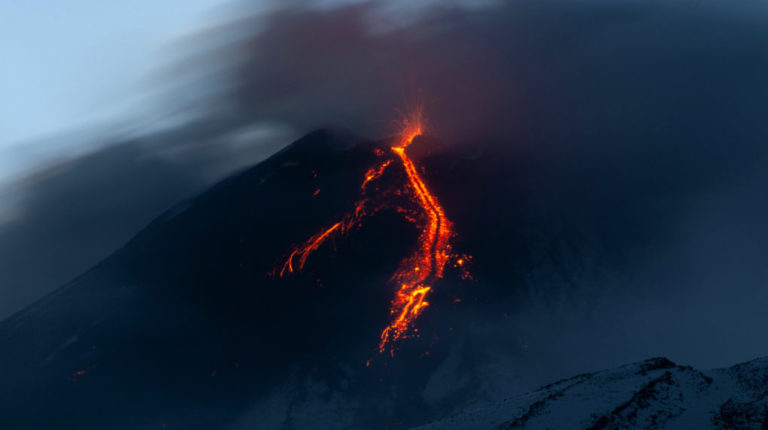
x=300, y=253
x=417, y=273
x=303, y=252
x=375, y=173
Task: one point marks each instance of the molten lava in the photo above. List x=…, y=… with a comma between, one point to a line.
x=416, y=273
x=428, y=261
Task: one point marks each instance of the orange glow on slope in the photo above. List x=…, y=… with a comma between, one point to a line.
x=428, y=261
x=311, y=245
x=417, y=272
x=374, y=173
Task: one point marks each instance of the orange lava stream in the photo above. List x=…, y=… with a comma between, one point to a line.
x=311, y=245
x=417, y=272
x=428, y=261
x=374, y=173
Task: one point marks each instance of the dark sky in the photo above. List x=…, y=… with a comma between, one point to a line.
x=681, y=85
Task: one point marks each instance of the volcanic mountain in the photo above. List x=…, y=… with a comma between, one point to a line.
x=186, y=326
x=190, y=325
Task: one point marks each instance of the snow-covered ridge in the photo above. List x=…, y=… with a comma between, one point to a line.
x=653, y=394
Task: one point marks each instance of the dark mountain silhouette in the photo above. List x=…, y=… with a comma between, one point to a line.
x=184, y=328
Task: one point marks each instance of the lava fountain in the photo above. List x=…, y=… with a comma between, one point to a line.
x=417, y=273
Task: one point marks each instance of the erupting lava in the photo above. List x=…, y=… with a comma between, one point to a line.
x=417, y=272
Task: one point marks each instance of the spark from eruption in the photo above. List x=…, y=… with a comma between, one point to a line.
x=416, y=273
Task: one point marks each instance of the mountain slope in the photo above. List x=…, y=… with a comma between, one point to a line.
x=653, y=394
x=184, y=328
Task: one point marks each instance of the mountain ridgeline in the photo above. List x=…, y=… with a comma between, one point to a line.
x=185, y=326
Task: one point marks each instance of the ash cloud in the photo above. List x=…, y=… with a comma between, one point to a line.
x=554, y=70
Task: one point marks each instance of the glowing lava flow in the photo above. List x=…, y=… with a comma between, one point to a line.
x=434, y=250
x=417, y=272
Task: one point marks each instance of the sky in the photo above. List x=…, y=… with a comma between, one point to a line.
x=68, y=65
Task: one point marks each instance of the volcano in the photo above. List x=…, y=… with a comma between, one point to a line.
x=184, y=327
x=191, y=325
x=427, y=262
